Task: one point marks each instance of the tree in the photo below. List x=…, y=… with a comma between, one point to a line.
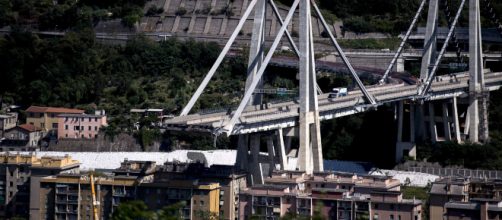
x=132, y=210
x=171, y=212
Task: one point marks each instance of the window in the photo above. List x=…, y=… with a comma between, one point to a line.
x=76, y=128
x=82, y=136
x=391, y=217
x=82, y=119
x=90, y=135
x=95, y=119
x=95, y=128
x=32, y=114
x=66, y=127
x=55, y=125
x=375, y=206
x=89, y=119
x=31, y=123
x=375, y=217
x=399, y=217
x=42, y=125
x=201, y=202
x=66, y=135
x=81, y=128
x=53, y=115
x=90, y=128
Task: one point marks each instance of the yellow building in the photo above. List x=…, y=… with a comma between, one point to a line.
x=19, y=173
x=68, y=196
x=47, y=117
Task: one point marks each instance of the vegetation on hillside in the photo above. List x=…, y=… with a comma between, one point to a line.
x=74, y=71
x=68, y=14
x=363, y=16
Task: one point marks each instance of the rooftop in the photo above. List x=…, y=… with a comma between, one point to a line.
x=29, y=127
x=8, y=115
x=112, y=160
x=450, y=186
x=39, y=109
x=80, y=116
x=134, y=110
x=36, y=162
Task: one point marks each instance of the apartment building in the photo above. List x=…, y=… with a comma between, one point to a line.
x=330, y=195
x=68, y=196
x=46, y=118
x=80, y=125
x=7, y=121
x=466, y=199
x=230, y=179
x=25, y=135
x=18, y=172
x=444, y=191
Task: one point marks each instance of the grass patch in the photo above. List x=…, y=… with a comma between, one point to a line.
x=386, y=43
x=410, y=192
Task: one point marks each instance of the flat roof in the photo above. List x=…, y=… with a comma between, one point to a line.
x=40, y=109
x=80, y=116
x=113, y=160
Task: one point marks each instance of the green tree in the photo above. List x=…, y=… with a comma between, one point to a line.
x=133, y=210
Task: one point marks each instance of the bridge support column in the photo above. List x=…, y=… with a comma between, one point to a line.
x=400, y=115
x=405, y=148
x=400, y=65
x=310, y=151
x=430, y=39
x=281, y=150
x=256, y=50
x=432, y=123
x=420, y=115
x=456, y=122
x=271, y=154
x=476, y=80
x=255, y=169
x=242, y=152
x=446, y=122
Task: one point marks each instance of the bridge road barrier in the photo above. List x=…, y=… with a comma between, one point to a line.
x=458, y=172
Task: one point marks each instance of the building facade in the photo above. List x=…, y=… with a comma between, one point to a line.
x=7, y=121
x=230, y=179
x=25, y=135
x=329, y=195
x=18, y=172
x=466, y=199
x=80, y=125
x=46, y=117
x=70, y=197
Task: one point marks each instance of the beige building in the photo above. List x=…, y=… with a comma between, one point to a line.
x=476, y=209
x=231, y=181
x=7, y=121
x=47, y=117
x=68, y=196
x=19, y=172
x=330, y=195
x=25, y=135
x=444, y=191
x=466, y=199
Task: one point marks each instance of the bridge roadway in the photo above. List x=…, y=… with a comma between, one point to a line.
x=273, y=116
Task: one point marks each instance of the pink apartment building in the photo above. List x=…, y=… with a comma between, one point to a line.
x=80, y=125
